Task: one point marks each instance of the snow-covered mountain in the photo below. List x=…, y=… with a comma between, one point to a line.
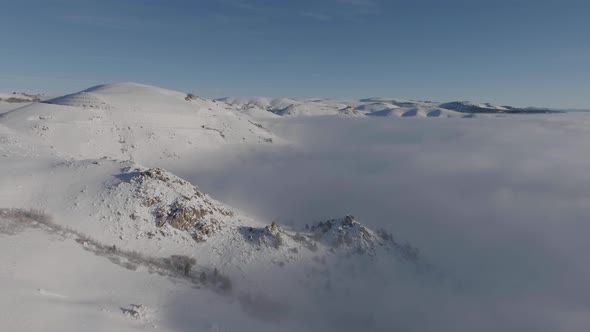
x=94, y=223
x=150, y=221
x=134, y=121
x=78, y=159
x=286, y=106
x=371, y=107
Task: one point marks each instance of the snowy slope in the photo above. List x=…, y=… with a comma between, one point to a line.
x=131, y=246
x=371, y=106
x=16, y=97
x=7, y=107
x=421, y=112
x=54, y=280
x=133, y=121
x=286, y=106
x=70, y=282
x=375, y=107
x=470, y=107
x=129, y=222
x=151, y=210
x=395, y=107
x=11, y=101
x=268, y=104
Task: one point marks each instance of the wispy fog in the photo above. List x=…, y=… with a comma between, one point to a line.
x=500, y=205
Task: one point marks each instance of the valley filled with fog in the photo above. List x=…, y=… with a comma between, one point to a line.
x=139, y=207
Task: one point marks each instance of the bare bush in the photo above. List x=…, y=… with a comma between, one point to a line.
x=175, y=266
x=190, y=96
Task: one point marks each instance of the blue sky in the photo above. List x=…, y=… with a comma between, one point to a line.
x=519, y=52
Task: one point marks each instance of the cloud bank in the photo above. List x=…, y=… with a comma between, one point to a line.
x=500, y=205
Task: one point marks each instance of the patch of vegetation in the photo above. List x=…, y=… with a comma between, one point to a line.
x=175, y=266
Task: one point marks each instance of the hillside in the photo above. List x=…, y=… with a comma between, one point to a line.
x=19, y=97
x=134, y=121
x=131, y=207
x=387, y=107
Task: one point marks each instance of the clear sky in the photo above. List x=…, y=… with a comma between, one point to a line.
x=519, y=52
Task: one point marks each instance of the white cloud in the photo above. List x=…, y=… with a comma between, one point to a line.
x=499, y=204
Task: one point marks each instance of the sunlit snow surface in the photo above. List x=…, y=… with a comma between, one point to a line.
x=497, y=207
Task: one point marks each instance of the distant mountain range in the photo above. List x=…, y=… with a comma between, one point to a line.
x=270, y=107
x=372, y=107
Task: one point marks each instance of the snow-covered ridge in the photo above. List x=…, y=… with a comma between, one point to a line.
x=467, y=106
x=81, y=99
x=286, y=106
x=130, y=88
x=134, y=121
x=154, y=244
x=161, y=204
x=385, y=107
x=127, y=96
x=431, y=112
x=16, y=97
x=343, y=236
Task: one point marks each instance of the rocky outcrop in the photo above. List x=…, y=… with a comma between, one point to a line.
x=171, y=201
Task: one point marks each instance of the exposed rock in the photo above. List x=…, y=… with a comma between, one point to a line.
x=190, y=96
x=136, y=311
x=271, y=236
x=346, y=233
x=172, y=201
x=337, y=236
